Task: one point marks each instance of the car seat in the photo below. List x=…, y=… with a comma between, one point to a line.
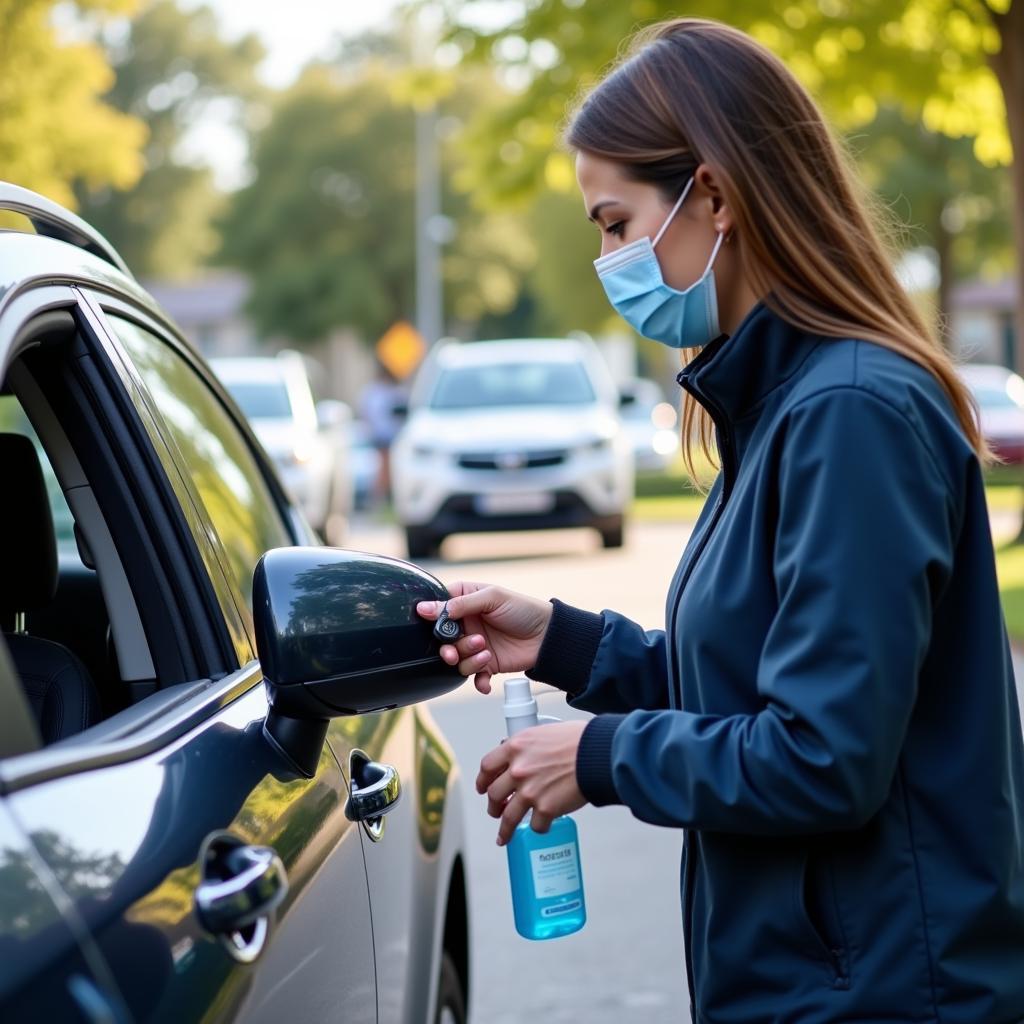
x=58, y=686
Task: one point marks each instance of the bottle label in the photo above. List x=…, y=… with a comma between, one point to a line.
x=556, y=871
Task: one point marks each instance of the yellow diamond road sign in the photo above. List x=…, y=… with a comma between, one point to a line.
x=401, y=348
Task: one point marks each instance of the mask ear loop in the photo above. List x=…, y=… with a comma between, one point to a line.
x=714, y=252
x=671, y=214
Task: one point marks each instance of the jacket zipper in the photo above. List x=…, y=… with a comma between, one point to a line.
x=728, y=470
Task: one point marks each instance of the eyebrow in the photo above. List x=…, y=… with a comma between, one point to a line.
x=599, y=206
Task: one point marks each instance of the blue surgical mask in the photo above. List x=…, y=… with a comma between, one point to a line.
x=633, y=282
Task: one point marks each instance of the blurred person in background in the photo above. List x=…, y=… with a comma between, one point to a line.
x=830, y=712
x=378, y=406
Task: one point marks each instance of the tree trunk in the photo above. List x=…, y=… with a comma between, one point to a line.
x=943, y=242
x=1008, y=65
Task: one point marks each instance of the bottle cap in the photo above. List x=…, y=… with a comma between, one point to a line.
x=520, y=706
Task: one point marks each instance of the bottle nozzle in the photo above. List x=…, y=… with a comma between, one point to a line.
x=520, y=705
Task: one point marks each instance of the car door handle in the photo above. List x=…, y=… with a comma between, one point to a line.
x=374, y=789
x=247, y=883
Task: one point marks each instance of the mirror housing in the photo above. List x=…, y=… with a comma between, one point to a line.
x=337, y=634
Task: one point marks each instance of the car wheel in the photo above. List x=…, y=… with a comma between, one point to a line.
x=451, y=1006
x=612, y=536
x=421, y=543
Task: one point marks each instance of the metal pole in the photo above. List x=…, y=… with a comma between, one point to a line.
x=429, y=295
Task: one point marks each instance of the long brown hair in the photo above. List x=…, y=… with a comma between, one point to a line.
x=690, y=91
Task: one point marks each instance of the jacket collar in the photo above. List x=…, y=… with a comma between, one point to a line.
x=733, y=373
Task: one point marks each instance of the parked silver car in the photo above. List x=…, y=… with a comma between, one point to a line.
x=307, y=440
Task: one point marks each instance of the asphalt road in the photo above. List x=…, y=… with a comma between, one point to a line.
x=627, y=962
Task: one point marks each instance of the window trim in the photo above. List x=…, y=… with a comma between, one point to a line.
x=204, y=697
x=78, y=754
x=198, y=524
x=170, y=336
x=136, y=464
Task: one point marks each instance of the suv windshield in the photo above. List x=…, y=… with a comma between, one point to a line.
x=549, y=383
x=262, y=400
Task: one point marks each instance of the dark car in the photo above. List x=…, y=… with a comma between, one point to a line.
x=221, y=798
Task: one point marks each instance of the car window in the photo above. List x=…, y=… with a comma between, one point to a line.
x=548, y=383
x=261, y=400
x=226, y=475
x=14, y=421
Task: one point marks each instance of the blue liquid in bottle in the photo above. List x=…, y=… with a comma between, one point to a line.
x=547, y=884
x=544, y=869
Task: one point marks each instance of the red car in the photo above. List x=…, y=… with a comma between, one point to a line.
x=999, y=393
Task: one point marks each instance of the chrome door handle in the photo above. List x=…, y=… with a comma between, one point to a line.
x=374, y=790
x=248, y=883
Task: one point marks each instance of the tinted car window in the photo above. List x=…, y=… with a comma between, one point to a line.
x=14, y=421
x=223, y=469
x=468, y=387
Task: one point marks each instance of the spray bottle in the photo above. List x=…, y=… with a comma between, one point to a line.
x=547, y=883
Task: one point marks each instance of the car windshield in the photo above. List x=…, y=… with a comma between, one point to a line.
x=262, y=400
x=491, y=384
x=994, y=398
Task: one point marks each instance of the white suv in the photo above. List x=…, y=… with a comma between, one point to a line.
x=511, y=435
x=308, y=440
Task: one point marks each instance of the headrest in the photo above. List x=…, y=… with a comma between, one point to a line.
x=29, y=577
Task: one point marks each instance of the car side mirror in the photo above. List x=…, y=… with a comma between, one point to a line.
x=337, y=634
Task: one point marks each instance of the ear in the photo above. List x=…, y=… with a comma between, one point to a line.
x=708, y=185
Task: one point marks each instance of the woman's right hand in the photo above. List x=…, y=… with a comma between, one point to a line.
x=502, y=630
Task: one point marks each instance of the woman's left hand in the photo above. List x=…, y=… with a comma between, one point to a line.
x=533, y=770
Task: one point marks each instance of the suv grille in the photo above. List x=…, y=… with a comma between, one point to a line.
x=513, y=460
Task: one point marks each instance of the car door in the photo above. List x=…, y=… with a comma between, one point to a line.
x=222, y=885
x=49, y=969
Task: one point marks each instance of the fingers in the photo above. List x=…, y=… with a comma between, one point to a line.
x=514, y=812
x=540, y=822
x=464, y=648
x=493, y=764
x=466, y=602
x=498, y=793
x=482, y=681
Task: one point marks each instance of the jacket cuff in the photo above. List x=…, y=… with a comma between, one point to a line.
x=594, y=760
x=568, y=649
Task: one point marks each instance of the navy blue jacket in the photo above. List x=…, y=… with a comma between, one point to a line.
x=831, y=712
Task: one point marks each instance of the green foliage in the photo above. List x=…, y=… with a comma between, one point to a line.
x=929, y=57
x=326, y=229
x=55, y=128
x=172, y=67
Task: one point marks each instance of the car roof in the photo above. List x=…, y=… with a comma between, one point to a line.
x=27, y=260
x=514, y=350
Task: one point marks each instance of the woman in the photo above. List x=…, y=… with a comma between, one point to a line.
x=830, y=711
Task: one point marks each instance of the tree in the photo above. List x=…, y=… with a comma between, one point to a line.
x=55, y=128
x=325, y=229
x=957, y=66
x=172, y=67
x=949, y=199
